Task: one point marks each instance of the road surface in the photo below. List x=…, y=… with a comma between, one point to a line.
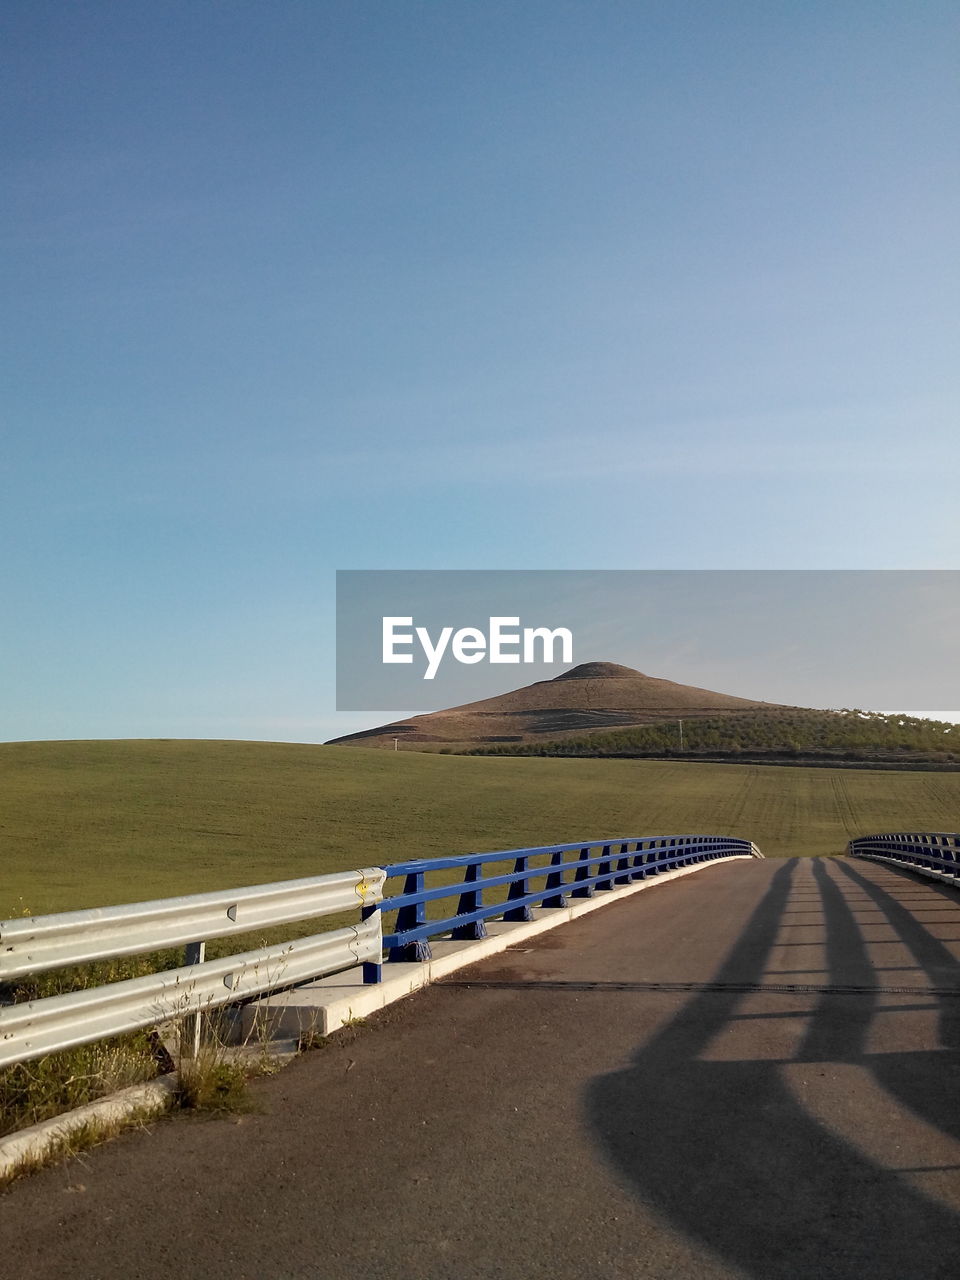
x=747, y=1072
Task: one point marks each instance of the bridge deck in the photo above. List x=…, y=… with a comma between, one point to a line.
x=751, y=1071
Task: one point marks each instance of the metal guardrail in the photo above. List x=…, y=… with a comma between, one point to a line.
x=933, y=853
x=38, y=1027
x=618, y=862
x=33, y=1028
x=33, y=944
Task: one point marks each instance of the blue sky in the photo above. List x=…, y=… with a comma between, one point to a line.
x=306, y=286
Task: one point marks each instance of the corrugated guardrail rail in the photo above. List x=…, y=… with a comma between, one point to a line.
x=596, y=865
x=932, y=853
x=34, y=944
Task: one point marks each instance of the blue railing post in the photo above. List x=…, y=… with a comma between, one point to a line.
x=638, y=873
x=555, y=882
x=604, y=870
x=470, y=900
x=518, y=890
x=410, y=917
x=583, y=873
x=623, y=866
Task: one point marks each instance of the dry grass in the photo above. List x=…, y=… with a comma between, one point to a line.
x=31, y=1092
x=213, y=1081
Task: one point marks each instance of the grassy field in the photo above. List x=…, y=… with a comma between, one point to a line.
x=94, y=823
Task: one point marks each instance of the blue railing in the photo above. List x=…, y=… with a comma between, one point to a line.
x=596, y=865
x=937, y=851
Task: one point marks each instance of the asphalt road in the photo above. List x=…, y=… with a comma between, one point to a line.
x=748, y=1072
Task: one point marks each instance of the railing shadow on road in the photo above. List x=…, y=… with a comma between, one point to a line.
x=722, y=1143
x=926, y=1082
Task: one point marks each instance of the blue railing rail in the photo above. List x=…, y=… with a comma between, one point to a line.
x=937, y=851
x=595, y=866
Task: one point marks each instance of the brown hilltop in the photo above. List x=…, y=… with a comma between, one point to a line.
x=599, y=671
x=591, y=696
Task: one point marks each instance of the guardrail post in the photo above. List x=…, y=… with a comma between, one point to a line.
x=583, y=873
x=372, y=969
x=193, y=953
x=470, y=900
x=518, y=890
x=411, y=917
x=555, y=882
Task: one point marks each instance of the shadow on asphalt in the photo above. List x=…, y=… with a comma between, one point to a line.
x=724, y=1149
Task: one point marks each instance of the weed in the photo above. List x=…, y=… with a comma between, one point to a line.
x=311, y=1038
x=212, y=1082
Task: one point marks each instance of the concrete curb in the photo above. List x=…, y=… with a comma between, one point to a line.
x=27, y=1146
x=943, y=876
x=140, y=1101
x=318, y=1008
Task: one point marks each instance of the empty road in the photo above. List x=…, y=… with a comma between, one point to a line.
x=748, y=1072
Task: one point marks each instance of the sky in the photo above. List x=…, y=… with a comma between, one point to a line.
x=546, y=284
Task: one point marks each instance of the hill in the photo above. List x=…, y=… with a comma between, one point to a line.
x=594, y=695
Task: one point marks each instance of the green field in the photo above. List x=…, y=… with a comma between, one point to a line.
x=93, y=823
